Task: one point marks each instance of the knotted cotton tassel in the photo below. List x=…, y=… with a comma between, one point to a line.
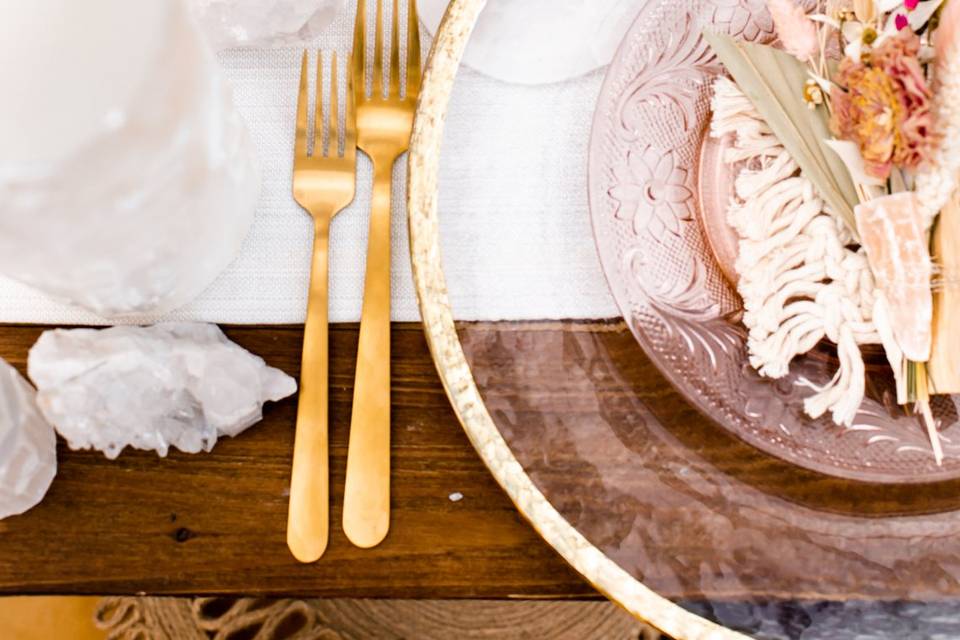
x=799, y=279
x=842, y=397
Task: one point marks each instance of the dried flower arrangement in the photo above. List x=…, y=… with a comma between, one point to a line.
x=847, y=142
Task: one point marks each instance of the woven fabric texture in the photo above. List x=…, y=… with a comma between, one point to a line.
x=517, y=242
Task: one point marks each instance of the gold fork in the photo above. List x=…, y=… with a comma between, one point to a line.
x=383, y=133
x=323, y=184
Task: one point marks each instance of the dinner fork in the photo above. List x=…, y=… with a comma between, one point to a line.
x=384, y=124
x=324, y=183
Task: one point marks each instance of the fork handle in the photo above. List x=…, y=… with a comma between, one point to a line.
x=366, y=500
x=308, y=518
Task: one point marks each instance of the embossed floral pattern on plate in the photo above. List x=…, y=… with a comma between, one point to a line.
x=649, y=130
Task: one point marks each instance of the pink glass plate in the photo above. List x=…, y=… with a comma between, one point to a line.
x=656, y=200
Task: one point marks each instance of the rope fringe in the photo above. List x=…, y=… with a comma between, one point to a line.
x=802, y=278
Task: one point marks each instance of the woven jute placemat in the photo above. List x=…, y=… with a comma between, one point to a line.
x=131, y=618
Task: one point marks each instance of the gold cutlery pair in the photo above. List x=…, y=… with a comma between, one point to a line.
x=324, y=183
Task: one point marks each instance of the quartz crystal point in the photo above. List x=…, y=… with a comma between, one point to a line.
x=174, y=384
x=128, y=181
x=28, y=445
x=232, y=23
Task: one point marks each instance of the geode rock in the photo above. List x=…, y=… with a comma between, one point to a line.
x=175, y=384
x=28, y=445
x=244, y=23
x=128, y=181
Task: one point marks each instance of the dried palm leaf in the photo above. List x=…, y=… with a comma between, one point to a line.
x=774, y=80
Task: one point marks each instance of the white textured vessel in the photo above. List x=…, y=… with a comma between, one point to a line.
x=127, y=179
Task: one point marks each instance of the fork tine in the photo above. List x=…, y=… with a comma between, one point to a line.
x=350, y=120
x=334, y=135
x=360, y=48
x=300, y=142
x=413, y=49
x=318, y=150
x=394, y=88
x=378, y=53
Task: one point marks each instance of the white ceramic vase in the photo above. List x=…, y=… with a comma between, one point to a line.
x=127, y=178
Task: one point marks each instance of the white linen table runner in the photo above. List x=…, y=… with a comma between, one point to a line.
x=517, y=241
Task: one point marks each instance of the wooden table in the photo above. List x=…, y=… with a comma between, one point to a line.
x=215, y=522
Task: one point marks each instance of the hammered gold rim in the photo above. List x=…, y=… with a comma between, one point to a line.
x=422, y=188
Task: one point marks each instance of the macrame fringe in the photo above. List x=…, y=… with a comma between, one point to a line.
x=799, y=278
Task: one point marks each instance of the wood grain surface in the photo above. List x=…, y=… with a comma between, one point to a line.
x=215, y=523
x=227, y=618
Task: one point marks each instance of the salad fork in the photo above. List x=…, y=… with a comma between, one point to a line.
x=323, y=184
x=384, y=124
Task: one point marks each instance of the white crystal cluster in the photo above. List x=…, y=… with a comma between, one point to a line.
x=28, y=445
x=171, y=385
x=233, y=23
x=127, y=178
x=541, y=41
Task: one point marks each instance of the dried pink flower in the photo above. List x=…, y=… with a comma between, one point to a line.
x=884, y=106
x=911, y=4
x=901, y=22
x=866, y=113
x=897, y=57
x=796, y=31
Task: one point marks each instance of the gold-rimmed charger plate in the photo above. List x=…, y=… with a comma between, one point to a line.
x=649, y=501
x=423, y=185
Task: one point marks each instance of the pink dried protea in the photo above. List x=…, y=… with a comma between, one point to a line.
x=897, y=57
x=867, y=113
x=796, y=31
x=884, y=105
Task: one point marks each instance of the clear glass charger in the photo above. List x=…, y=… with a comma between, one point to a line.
x=674, y=516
